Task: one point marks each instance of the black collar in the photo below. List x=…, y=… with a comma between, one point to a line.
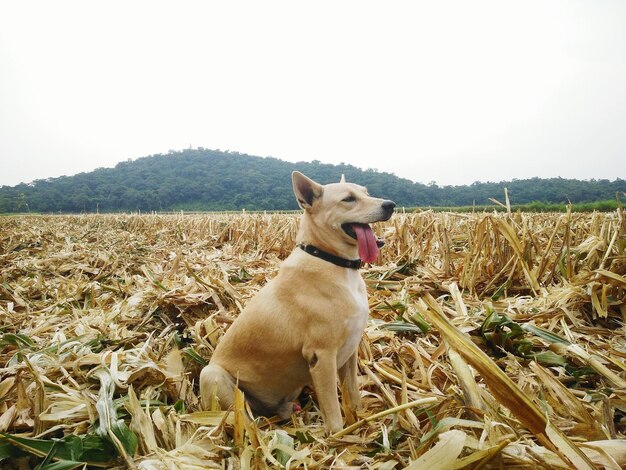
x=336, y=260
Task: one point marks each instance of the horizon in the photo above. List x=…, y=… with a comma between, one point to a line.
x=446, y=92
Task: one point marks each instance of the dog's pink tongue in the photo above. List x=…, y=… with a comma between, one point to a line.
x=368, y=249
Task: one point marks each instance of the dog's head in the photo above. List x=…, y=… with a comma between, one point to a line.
x=337, y=216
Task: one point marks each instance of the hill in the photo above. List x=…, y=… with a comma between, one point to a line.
x=204, y=179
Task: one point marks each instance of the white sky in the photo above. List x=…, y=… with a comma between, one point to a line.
x=450, y=91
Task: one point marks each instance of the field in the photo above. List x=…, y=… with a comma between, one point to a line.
x=495, y=340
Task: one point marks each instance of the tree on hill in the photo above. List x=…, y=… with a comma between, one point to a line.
x=204, y=179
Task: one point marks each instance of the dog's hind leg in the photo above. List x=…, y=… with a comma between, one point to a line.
x=289, y=405
x=216, y=382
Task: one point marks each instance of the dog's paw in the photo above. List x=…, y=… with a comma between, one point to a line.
x=288, y=408
x=334, y=427
x=356, y=406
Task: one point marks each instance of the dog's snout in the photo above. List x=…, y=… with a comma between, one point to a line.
x=388, y=206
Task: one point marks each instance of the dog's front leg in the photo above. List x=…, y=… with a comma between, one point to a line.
x=347, y=376
x=323, y=369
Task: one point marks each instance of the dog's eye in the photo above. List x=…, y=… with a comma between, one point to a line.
x=349, y=199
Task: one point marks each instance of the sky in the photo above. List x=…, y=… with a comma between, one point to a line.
x=445, y=91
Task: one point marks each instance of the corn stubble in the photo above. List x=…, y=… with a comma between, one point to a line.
x=494, y=340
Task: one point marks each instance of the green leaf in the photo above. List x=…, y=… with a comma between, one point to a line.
x=194, y=356
x=38, y=447
x=97, y=449
x=490, y=322
x=283, y=439
x=397, y=307
x=545, y=334
x=304, y=437
x=62, y=465
x=523, y=347
x=69, y=448
x=97, y=344
x=580, y=372
x=401, y=326
x=502, y=332
x=393, y=437
x=241, y=276
x=126, y=436
x=549, y=358
x=16, y=339
x=500, y=292
x=419, y=320
x=179, y=406
x=88, y=449
x=7, y=450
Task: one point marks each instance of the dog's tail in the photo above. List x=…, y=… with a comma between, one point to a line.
x=216, y=383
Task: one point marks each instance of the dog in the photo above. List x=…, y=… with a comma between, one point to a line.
x=304, y=326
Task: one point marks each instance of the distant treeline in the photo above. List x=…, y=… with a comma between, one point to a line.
x=202, y=179
x=599, y=206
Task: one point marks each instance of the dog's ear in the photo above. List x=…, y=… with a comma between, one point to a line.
x=305, y=189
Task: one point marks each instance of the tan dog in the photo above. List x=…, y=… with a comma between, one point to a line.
x=304, y=326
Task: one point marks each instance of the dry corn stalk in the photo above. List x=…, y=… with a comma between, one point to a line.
x=144, y=299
